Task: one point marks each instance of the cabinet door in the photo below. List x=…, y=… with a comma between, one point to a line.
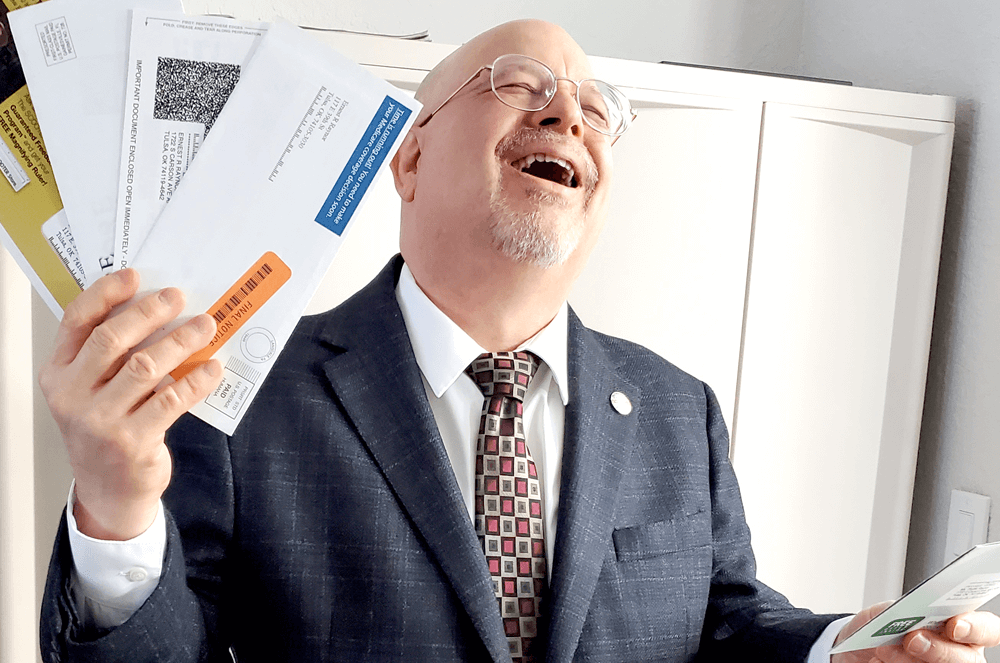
x=670, y=269
x=847, y=235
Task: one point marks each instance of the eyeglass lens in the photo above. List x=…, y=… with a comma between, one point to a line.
x=528, y=85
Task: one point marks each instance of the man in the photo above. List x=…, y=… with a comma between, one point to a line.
x=340, y=521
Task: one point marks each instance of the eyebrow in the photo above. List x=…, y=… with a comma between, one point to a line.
x=483, y=80
x=480, y=85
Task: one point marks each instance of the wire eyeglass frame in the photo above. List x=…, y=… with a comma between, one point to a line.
x=617, y=98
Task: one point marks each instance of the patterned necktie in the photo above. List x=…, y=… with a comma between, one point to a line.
x=508, y=498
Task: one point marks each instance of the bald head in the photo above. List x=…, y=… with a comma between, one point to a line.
x=495, y=194
x=513, y=37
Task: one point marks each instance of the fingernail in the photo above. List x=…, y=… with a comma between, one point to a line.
x=203, y=323
x=125, y=276
x=962, y=628
x=919, y=644
x=168, y=295
x=213, y=368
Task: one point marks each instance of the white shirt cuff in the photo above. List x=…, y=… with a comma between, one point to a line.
x=112, y=579
x=820, y=652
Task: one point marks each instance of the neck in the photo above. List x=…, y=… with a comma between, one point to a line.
x=500, y=304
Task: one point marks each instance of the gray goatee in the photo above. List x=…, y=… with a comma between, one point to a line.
x=525, y=236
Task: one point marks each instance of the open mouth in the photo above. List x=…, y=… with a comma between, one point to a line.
x=548, y=168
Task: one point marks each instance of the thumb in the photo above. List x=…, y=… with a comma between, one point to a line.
x=860, y=620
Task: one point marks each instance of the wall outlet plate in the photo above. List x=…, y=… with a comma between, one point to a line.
x=968, y=523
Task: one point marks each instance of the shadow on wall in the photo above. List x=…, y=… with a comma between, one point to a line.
x=927, y=534
x=743, y=35
x=771, y=36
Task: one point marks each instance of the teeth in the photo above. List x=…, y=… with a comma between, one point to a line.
x=525, y=162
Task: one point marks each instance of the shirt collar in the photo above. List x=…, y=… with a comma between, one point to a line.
x=443, y=350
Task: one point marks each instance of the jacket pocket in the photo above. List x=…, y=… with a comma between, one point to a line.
x=663, y=537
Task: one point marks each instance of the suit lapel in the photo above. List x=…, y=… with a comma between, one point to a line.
x=598, y=441
x=375, y=367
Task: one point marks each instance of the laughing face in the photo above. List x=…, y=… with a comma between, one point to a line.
x=540, y=165
x=531, y=185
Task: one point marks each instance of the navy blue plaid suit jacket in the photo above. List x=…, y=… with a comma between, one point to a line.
x=330, y=526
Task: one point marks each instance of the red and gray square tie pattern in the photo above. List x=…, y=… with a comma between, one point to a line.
x=508, y=498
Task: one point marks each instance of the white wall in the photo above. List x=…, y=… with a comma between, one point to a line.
x=734, y=33
x=947, y=48
x=17, y=565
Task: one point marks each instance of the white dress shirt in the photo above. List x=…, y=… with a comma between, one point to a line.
x=443, y=351
x=112, y=579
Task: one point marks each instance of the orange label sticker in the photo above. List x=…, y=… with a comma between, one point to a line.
x=234, y=308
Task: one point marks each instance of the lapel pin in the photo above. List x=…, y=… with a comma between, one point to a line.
x=621, y=403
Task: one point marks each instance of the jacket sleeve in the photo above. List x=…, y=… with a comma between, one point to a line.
x=746, y=620
x=180, y=621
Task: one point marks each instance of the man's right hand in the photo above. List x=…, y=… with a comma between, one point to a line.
x=112, y=422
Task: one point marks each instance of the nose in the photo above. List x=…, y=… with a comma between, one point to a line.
x=562, y=113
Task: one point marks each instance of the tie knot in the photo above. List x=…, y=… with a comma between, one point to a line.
x=503, y=373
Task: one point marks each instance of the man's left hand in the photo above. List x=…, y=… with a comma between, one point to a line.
x=962, y=640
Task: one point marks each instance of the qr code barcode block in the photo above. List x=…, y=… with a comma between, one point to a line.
x=193, y=91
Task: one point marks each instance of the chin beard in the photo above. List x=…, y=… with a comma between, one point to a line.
x=528, y=236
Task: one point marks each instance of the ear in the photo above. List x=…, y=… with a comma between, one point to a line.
x=404, y=167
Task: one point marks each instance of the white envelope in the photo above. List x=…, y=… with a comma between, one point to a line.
x=181, y=70
x=962, y=586
x=73, y=53
x=261, y=212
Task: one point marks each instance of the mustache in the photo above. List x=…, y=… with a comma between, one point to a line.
x=582, y=161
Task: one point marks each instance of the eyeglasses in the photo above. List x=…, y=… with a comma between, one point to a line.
x=527, y=84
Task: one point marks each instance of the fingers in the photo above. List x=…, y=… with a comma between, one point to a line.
x=894, y=654
x=168, y=404
x=111, y=340
x=934, y=648
x=102, y=398
x=975, y=628
x=147, y=367
x=860, y=620
x=89, y=309
x=102, y=378
x=927, y=647
x=963, y=640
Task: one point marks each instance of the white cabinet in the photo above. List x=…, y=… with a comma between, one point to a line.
x=670, y=268
x=838, y=319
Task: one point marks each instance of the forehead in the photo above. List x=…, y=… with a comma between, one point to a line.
x=543, y=41
x=552, y=46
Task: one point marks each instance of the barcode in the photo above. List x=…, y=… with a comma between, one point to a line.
x=193, y=91
x=251, y=284
x=242, y=370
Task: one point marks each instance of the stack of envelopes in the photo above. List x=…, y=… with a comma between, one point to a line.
x=262, y=140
